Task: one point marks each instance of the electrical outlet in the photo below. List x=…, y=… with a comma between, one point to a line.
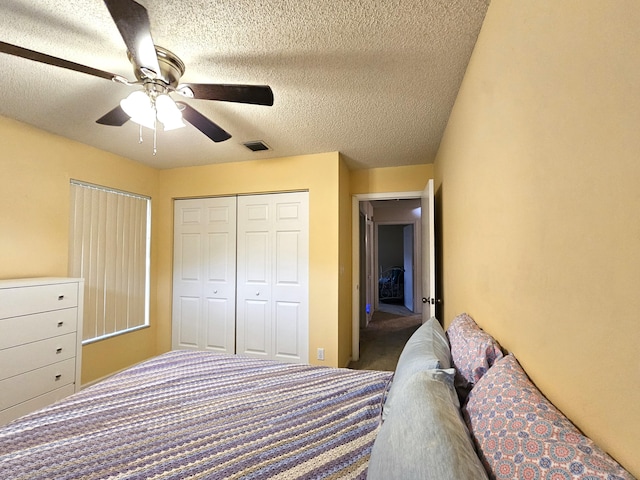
x=321, y=354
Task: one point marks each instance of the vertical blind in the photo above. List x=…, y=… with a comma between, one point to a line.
x=109, y=248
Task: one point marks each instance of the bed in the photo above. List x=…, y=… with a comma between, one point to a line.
x=456, y=408
x=190, y=414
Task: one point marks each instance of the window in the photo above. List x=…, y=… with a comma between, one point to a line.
x=109, y=247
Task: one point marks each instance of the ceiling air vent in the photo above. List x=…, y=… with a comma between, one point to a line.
x=256, y=146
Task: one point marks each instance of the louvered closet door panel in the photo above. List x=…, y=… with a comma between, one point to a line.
x=204, y=274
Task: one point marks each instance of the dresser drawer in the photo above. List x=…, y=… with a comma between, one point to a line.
x=34, y=404
x=39, y=298
x=29, y=356
x=23, y=387
x=31, y=328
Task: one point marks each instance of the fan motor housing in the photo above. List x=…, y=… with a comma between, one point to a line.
x=171, y=67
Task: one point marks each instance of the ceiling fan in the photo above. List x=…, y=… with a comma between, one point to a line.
x=158, y=72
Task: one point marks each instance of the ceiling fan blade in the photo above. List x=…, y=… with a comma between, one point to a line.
x=55, y=61
x=116, y=117
x=202, y=123
x=254, y=94
x=132, y=21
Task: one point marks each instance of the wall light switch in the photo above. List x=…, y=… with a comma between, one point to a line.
x=321, y=354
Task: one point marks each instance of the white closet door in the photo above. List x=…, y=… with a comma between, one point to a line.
x=204, y=274
x=273, y=271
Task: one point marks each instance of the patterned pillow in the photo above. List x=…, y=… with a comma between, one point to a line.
x=520, y=434
x=473, y=351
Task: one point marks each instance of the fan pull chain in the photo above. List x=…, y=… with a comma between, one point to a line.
x=155, y=130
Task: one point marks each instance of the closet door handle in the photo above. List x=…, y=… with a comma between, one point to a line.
x=60, y=297
x=58, y=350
x=60, y=324
x=58, y=377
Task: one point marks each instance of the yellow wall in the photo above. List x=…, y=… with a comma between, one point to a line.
x=319, y=174
x=409, y=178
x=538, y=177
x=345, y=328
x=35, y=169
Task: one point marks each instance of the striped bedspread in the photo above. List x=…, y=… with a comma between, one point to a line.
x=201, y=415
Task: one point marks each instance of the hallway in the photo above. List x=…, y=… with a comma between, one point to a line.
x=382, y=341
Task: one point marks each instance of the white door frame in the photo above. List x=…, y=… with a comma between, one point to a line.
x=355, y=258
x=428, y=258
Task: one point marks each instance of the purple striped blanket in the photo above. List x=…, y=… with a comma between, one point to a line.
x=191, y=414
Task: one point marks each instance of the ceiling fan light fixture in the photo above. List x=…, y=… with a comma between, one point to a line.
x=138, y=106
x=173, y=125
x=168, y=112
x=144, y=110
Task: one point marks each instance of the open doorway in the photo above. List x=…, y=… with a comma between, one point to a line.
x=389, y=272
x=391, y=319
x=396, y=253
x=424, y=299
x=389, y=240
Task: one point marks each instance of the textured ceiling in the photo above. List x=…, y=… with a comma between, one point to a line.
x=375, y=80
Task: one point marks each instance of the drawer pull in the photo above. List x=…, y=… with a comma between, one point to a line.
x=60, y=297
x=59, y=350
x=60, y=324
x=58, y=377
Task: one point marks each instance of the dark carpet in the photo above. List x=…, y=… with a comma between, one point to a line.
x=381, y=342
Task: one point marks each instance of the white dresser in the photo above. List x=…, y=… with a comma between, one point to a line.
x=40, y=343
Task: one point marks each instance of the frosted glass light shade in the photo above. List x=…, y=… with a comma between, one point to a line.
x=138, y=106
x=168, y=112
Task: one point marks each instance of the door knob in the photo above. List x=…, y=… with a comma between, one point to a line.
x=425, y=300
